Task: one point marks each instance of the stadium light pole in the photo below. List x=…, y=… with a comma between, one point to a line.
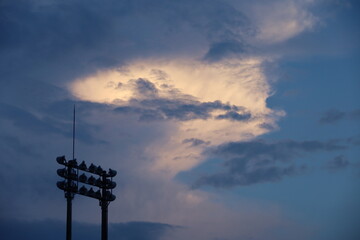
x=70, y=185
x=69, y=197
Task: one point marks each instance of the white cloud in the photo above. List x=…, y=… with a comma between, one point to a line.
x=279, y=20
x=237, y=82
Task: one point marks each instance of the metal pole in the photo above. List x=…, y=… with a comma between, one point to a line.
x=73, y=153
x=104, y=213
x=104, y=221
x=68, y=217
x=69, y=197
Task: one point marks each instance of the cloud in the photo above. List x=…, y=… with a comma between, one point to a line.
x=182, y=110
x=281, y=151
x=277, y=21
x=141, y=230
x=11, y=145
x=354, y=115
x=255, y=162
x=235, y=116
x=240, y=176
x=81, y=37
x=334, y=116
x=25, y=120
x=221, y=50
x=195, y=141
x=355, y=140
x=339, y=162
x=50, y=229
x=215, y=102
x=47, y=123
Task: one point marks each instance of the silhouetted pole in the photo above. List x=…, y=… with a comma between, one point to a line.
x=73, y=146
x=69, y=194
x=104, y=221
x=68, y=219
x=104, y=213
x=69, y=197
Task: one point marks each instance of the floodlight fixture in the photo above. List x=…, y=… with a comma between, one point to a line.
x=92, y=168
x=61, y=172
x=72, y=163
x=61, y=185
x=83, y=166
x=83, y=178
x=61, y=160
x=91, y=192
x=99, y=170
x=109, y=196
x=97, y=194
x=83, y=190
x=98, y=182
x=91, y=180
x=112, y=173
x=110, y=185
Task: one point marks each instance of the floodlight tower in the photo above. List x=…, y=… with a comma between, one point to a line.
x=72, y=180
x=70, y=186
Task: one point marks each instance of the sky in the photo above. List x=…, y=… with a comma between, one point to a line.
x=225, y=119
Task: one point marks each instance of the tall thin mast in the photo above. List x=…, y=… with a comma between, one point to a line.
x=74, y=134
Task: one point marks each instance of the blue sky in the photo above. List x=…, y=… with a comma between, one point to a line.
x=225, y=119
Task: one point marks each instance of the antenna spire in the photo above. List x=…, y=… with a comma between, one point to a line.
x=74, y=134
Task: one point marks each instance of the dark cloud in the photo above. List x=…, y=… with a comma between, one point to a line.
x=51, y=229
x=255, y=162
x=281, y=151
x=31, y=94
x=140, y=230
x=146, y=88
x=234, y=116
x=355, y=115
x=182, y=109
x=60, y=41
x=52, y=121
x=243, y=177
x=26, y=121
x=355, y=140
x=11, y=145
x=334, y=116
x=224, y=49
x=195, y=142
x=267, y=126
x=339, y=162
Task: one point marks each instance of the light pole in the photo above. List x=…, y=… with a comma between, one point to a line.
x=70, y=185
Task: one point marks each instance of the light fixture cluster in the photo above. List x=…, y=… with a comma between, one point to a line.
x=102, y=183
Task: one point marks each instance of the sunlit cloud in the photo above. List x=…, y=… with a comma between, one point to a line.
x=284, y=21
x=279, y=20
x=209, y=104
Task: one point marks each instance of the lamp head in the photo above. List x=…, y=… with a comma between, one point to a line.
x=61, y=160
x=112, y=173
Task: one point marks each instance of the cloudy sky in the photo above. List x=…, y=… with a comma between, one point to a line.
x=225, y=119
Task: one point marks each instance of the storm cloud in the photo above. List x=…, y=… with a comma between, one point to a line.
x=248, y=163
x=50, y=229
x=334, y=116
x=182, y=110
